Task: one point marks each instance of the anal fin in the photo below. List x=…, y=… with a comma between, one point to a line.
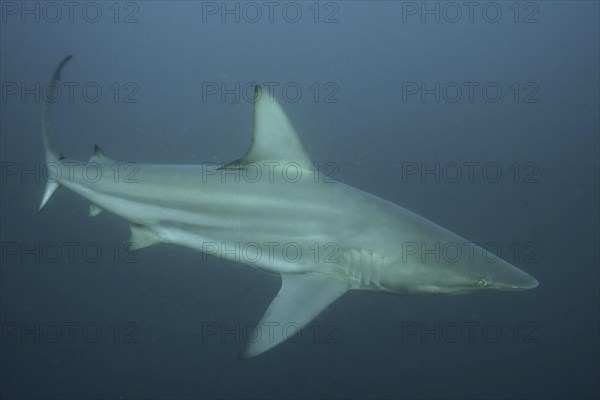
x=94, y=210
x=51, y=187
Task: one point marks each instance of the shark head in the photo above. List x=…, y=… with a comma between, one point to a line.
x=504, y=276
x=487, y=272
x=499, y=275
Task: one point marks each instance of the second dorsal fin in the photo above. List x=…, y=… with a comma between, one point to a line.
x=99, y=156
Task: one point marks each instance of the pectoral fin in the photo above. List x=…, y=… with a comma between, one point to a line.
x=301, y=298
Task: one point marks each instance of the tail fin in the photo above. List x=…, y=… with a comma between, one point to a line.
x=52, y=153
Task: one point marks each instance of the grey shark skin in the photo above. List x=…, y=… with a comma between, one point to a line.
x=273, y=211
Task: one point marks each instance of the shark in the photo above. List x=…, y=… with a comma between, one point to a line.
x=274, y=211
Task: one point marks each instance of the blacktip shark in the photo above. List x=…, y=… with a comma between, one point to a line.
x=321, y=236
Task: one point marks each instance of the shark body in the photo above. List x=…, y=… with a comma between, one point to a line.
x=274, y=211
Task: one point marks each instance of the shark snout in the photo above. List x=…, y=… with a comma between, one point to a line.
x=525, y=283
x=516, y=279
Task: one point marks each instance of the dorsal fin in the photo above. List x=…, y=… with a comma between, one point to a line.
x=99, y=156
x=273, y=136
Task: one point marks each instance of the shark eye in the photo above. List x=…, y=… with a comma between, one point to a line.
x=481, y=283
